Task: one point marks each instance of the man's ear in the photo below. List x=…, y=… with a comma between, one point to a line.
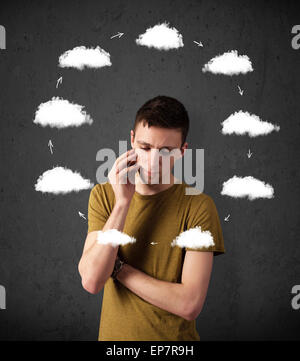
x=183, y=148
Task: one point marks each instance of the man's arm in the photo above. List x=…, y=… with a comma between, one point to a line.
x=98, y=260
x=184, y=299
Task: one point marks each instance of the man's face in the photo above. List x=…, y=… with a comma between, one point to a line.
x=157, y=149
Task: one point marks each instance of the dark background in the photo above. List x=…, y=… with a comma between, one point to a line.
x=42, y=235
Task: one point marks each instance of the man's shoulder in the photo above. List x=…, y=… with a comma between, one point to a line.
x=104, y=190
x=103, y=186
x=194, y=194
x=197, y=201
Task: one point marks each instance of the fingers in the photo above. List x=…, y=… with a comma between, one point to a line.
x=128, y=171
x=124, y=155
x=125, y=162
x=122, y=163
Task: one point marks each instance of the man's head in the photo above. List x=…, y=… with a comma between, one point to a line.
x=161, y=125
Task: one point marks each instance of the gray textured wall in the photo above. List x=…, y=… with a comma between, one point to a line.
x=42, y=236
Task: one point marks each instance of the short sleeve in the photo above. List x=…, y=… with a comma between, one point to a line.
x=97, y=211
x=203, y=213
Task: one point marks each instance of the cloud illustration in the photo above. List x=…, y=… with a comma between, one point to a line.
x=161, y=37
x=60, y=180
x=241, y=123
x=60, y=113
x=241, y=187
x=114, y=237
x=81, y=57
x=194, y=238
x=229, y=63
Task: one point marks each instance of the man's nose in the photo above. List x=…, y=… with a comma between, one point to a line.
x=154, y=159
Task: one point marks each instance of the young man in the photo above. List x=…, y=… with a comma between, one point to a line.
x=159, y=290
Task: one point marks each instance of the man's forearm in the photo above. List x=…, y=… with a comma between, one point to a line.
x=97, y=261
x=169, y=296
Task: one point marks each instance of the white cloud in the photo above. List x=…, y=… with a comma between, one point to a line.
x=194, y=238
x=240, y=187
x=60, y=180
x=161, y=37
x=114, y=237
x=242, y=123
x=81, y=57
x=60, y=113
x=229, y=63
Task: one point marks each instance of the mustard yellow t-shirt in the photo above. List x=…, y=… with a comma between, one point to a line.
x=158, y=218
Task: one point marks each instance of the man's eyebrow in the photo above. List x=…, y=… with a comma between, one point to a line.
x=145, y=143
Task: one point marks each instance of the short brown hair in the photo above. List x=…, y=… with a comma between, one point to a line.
x=165, y=112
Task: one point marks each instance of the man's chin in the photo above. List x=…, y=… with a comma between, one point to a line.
x=149, y=178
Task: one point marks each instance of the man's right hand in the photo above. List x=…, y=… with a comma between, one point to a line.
x=122, y=172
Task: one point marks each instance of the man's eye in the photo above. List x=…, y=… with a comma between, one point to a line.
x=145, y=148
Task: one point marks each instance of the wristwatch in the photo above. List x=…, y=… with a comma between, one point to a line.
x=117, y=268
